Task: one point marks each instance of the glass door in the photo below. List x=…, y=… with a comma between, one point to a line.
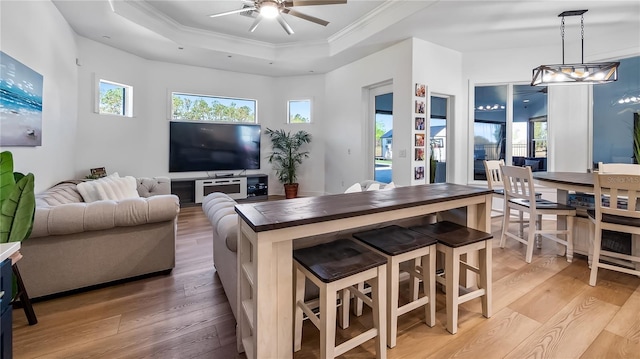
x=383, y=134
x=438, y=139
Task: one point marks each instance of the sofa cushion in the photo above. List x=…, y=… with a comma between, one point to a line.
x=112, y=187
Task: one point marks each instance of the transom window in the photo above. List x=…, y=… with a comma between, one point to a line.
x=211, y=108
x=115, y=99
x=299, y=111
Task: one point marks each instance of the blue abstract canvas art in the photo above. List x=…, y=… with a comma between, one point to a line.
x=20, y=104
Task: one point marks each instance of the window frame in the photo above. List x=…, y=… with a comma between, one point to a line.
x=189, y=93
x=310, y=102
x=127, y=98
x=508, y=125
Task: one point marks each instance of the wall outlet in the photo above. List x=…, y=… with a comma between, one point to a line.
x=403, y=153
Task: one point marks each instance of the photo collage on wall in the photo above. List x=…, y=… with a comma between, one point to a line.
x=419, y=130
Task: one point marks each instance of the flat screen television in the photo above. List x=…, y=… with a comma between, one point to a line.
x=205, y=146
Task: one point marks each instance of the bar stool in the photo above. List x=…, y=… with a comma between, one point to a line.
x=454, y=241
x=402, y=245
x=332, y=267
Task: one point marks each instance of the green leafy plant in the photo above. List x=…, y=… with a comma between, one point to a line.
x=287, y=155
x=17, y=201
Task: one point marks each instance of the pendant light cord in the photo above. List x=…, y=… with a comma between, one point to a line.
x=582, y=34
x=562, y=34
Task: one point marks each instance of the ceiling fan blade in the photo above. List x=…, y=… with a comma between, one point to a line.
x=249, y=8
x=255, y=23
x=313, y=2
x=306, y=17
x=284, y=25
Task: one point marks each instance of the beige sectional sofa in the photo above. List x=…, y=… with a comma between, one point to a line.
x=76, y=244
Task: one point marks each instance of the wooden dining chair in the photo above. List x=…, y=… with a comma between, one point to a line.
x=520, y=195
x=616, y=209
x=495, y=183
x=619, y=168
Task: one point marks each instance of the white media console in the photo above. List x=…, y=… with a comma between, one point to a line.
x=234, y=187
x=193, y=190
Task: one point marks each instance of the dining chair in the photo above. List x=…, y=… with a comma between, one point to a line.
x=616, y=209
x=619, y=168
x=520, y=195
x=495, y=183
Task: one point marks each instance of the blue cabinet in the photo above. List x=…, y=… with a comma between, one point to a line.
x=6, y=279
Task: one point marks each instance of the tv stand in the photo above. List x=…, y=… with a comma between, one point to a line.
x=192, y=191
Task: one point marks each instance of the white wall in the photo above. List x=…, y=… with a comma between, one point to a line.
x=311, y=174
x=139, y=146
x=439, y=68
x=346, y=130
x=34, y=33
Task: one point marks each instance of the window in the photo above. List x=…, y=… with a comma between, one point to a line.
x=517, y=133
x=299, y=111
x=210, y=108
x=115, y=99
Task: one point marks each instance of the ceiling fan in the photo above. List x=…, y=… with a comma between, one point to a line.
x=271, y=9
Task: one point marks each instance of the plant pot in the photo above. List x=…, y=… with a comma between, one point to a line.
x=290, y=190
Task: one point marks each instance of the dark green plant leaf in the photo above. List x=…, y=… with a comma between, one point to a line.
x=286, y=155
x=17, y=211
x=7, y=180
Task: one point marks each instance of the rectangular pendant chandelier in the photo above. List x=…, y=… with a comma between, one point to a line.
x=567, y=74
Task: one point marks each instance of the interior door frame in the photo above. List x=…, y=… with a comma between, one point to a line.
x=375, y=90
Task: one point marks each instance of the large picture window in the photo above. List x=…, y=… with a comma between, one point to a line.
x=510, y=124
x=210, y=108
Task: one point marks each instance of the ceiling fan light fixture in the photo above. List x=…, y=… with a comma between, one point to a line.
x=567, y=74
x=269, y=9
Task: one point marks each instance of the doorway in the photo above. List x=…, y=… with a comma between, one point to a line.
x=382, y=121
x=438, y=139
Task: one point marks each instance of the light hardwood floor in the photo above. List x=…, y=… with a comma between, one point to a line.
x=545, y=309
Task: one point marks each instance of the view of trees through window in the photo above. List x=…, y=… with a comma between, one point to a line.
x=210, y=108
x=112, y=98
x=300, y=111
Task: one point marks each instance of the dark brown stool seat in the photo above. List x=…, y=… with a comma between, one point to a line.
x=455, y=240
x=334, y=267
x=416, y=251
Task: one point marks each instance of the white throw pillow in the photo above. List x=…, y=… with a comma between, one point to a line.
x=88, y=191
x=112, y=187
x=356, y=187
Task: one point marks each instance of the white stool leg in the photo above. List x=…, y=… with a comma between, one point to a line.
x=429, y=285
x=378, y=291
x=569, y=238
x=343, y=310
x=531, y=238
x=327, y=321
x=485, y=264
x=414, y=284
x=393, y=279
x=357, y=305
x=452, y=278
x=298, y=321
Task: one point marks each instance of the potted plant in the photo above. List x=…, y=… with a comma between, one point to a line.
x=17, y=201
x=287, y=156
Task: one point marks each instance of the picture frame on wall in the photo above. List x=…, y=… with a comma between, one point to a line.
x=21, y=120
x=418, y=172
x=420, y=106
x=419, y=155
x=421, y=90
x=419, y=124
x=419, y=139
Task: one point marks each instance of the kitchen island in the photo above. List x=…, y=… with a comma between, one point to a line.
x=266, y=232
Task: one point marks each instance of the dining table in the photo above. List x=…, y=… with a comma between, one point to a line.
x=267, y=230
